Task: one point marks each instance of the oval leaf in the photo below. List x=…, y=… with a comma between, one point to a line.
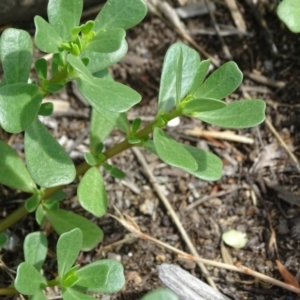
x=161, y=294
x=107, y=41
x=3, y=239
x=200, y=75
x=102, y=276
x=221, y=82
x=107, y=94
x=100, y=129
x=120, y=14
x=68, y=248
x=48, y=163
x=171, y=152
x=238, y=114
x=209, y=165
x=64, y=15
x=289, y=11
x=35, y=249
x=32, y=202
x=100, y=61
x=199, y=105
x=91, y=192
x=13, y=171
x=19, y=105
x=16, y=55
x=64, y=221
x=174, y=67
x=72, y=294
x=29, y=281
x=46, y=38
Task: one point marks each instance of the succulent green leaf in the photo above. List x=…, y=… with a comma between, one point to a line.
x=200, y=75
x=100, y=61
x=3, y=239
x=90, y=159
x=102, y=276
x=29, y=281
x=91, y=192
x=161, y=294
x=68, y=248
x=221, y=82
x=19, y=105
x=58, y=196
x=99, y=131
x=32, y=203
x=46, y=109
x=72, y=294
x=70, y=277
x=209, y=165
x=39, y=215
x=48, y=163
x=46, y=38
x=179, y=77
x=289, y=11
x=3, y=82
x=54, y=87
x=199, y=105
x=64, y=221
x=118, y=120
x=35, y=249
x=114, y=171
x=172, y=152
x=38, y=296
x=64, y=15
x=87, y=27
x=120, y=14
x=136, y=123
x=41, y=68
x=79, y=66
x=238, y=114
x=174, y=72
x=134, y=140
x=107, y=94
x=16, y=55
x=107, y=41
x=13, y=171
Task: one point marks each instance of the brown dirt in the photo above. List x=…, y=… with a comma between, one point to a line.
x=253, y=207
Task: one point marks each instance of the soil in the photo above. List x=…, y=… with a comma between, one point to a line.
x=262, y=180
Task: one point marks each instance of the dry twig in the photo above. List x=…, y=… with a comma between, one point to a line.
x=172, y=213
x=283, y=144
x=130, y=225
x=224, y=135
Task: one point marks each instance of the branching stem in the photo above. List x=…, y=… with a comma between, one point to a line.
x=21, y=212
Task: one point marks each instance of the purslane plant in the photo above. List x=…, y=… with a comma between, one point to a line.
x=83, y=53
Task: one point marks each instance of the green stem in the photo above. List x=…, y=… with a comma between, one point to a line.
x=8, y=291
x=83, y=167
x=53, y=282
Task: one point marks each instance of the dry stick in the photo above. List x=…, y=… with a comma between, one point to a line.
x=132, y=227
x=208, y=197
x=282, y=142
x=217, y=29
x=236, y=15
x=173, y=214
x=172, y=20
x=224, y=135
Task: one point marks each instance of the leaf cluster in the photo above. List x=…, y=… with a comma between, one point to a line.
x=103, y=276
x=83, y=53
